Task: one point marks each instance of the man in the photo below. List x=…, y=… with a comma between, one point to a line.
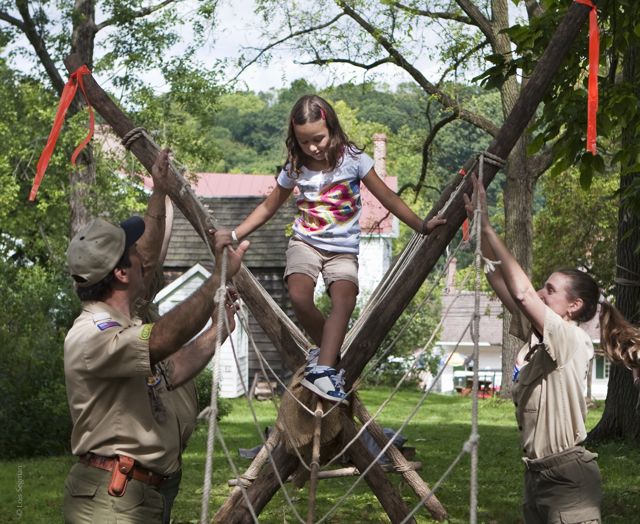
x=128, y=429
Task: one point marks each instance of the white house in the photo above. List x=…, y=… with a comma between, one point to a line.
x=456, y=337
x=234, y=369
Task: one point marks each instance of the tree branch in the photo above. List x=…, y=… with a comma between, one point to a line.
x=462, y=59
x=481, y=21
x=539, y=163
x=37, y=42
x=327, y=61
x=534, y=9
x=146, y=11
x=11, y=20
x=473, y=118
x=440, y=15
x=425, y=150
x=284, y=39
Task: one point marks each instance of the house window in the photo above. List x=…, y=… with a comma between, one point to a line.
x=602, y=367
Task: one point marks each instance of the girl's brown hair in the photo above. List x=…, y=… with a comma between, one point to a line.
x=619, y=339
x=311, y=108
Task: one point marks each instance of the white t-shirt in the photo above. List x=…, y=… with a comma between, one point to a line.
x=329, y=203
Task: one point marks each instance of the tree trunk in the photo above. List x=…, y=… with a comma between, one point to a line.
x=83, y=177
x=518, y=212
x=619, y=419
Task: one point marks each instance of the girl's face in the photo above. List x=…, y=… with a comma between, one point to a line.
x=313, y=138
x=554, y=294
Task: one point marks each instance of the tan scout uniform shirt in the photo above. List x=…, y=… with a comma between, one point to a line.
x=117, y=404
x=549, y=391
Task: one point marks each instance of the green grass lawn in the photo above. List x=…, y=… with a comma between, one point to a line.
x=31, y=489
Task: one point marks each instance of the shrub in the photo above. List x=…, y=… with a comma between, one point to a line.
x=34, y=419
x=203, y=387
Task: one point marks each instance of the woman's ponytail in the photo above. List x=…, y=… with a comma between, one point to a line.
x=619, y=339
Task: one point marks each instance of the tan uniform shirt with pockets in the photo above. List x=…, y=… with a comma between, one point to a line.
x=118, y=404
x=550, y=389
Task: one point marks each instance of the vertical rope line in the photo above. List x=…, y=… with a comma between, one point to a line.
x=474, y=438
x=215, y=381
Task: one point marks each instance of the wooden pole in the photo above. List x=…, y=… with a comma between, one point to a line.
x=386, y=493
x=260, y=492
x=350, y=471
x=401, y=464
x=376, y=321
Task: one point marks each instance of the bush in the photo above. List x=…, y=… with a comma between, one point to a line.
x=203, y=387
x=36, y=314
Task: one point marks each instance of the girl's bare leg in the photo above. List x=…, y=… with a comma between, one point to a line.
x=343, y=301
x=301, y=289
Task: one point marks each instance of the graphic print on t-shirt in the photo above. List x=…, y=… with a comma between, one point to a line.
x=336, y=204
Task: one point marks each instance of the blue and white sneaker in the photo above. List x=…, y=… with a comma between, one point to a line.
x=328, y=384
x=312, y=360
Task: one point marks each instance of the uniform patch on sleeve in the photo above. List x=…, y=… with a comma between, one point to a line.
x=145, y=332
x=108, y=324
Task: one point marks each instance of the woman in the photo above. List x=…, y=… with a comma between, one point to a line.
x=562, y=478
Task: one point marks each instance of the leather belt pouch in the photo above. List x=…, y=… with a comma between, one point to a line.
x=120, y=476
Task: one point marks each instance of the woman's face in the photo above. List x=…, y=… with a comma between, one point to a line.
x=313, y=139
x=554, y=295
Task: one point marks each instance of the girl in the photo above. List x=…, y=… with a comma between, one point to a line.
x=327, y=169
x=562, y=479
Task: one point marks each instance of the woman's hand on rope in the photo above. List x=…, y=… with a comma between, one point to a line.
x=479, y=197
x=160, y=171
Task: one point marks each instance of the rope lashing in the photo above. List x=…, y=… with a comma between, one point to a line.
x=132, y=136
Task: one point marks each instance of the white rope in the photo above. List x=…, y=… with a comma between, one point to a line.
x=474, y=438
x=215, y=381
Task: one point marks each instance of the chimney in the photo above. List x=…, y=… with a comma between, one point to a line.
x=380, y=154
x=451, y=275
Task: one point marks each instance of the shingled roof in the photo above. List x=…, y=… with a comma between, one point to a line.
x=268, y=244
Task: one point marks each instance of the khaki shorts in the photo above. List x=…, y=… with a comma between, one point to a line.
x=564, y=488
x=308, y=260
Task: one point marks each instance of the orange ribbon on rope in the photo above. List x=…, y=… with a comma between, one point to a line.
x=594, y=65
x=465, y=224
x=68, y=94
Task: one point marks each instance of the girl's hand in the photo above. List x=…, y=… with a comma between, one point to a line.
x=428, y=227
x=235, y=256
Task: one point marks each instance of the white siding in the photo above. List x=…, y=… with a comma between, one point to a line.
x=231, y=378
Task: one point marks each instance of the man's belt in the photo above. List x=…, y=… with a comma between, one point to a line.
x=122, y=468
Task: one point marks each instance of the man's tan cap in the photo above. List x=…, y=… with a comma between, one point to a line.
x=96, y=249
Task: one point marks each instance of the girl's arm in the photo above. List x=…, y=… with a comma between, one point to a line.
x=259, y=216
x=515, y=279
x=396, y=205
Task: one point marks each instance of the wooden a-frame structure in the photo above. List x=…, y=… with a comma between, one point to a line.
x=364, y=338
